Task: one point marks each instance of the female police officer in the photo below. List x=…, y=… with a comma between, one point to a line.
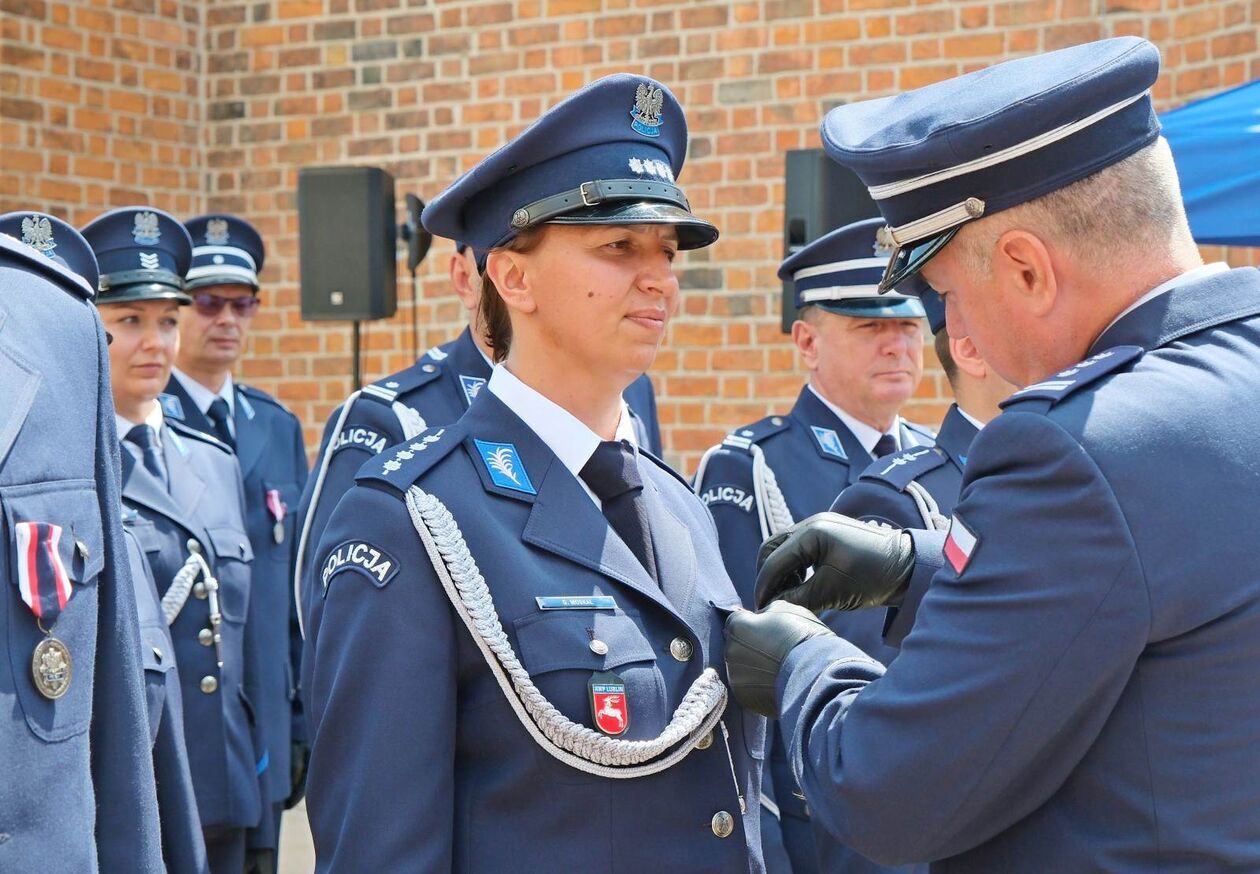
x=186, y=494
x=516, y=662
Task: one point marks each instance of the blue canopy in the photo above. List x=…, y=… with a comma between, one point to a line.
x=1216, y=144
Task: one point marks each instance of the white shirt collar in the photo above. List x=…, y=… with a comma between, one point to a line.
x=865, y=434
x=1192, y=275
x=566, y=436
x=153, y=420
x=202, y=396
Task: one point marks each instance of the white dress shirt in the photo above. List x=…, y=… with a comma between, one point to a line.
x=203, y=397
x=865, y=434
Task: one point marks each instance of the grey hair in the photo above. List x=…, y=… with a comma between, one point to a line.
x=1128, y=211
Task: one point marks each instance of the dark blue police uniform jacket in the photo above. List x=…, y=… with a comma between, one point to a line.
x=272, y=457
x=813, y=456
x=881, y=495
x=183, y=848
x=420, y=764
x=439, y=387
x=1087, y=654
x=205, y=504
x=78, y=791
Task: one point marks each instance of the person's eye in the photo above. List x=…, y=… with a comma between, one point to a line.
x=170, y=323
x=671, y=254
x=620, y=245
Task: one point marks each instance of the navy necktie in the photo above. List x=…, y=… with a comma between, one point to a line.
x=218, y=414
x=612, y=473
x=885, y=445
x=144, y=437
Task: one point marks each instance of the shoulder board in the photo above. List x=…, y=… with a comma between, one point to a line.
x=665, y=467
x=743, y=438
x=387, y=390
x=403, y=463
x=1076, y=377
x=902, y=468
x=201, y=436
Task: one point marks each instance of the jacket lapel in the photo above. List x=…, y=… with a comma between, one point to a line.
x=955, y=437
x=251, y=436
x=819, y=423
x=187, y=485
x=143, y=488
x=189, y=413
x=675, y=557
x=467, y=368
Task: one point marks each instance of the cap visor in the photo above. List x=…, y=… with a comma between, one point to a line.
x=143, y=291
x=693, y=233
x=874, y=308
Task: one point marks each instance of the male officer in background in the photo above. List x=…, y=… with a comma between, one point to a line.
x=436, y=390
x=917, y=488
x=865, y=357
x=223, y=283
x=78, y=790
x=1078, y=688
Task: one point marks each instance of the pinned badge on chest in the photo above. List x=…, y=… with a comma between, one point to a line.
x=278, y=511
x=46, y=588
x=609, y=707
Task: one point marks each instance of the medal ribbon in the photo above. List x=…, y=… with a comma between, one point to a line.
x=42, y=579
x=275, y=505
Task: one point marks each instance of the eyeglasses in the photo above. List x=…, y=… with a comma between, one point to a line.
x=211, y=305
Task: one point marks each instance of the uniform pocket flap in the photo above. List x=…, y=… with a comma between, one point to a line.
x=231, y=543
x=580, y=640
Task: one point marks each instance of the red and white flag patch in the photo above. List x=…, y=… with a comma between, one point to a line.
x=42, y=578
x=960, y=543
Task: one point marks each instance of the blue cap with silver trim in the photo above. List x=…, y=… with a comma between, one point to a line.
x=840, y=272
x=226, y=251
x=940, y=156
x=57, y=241
x=143, y=254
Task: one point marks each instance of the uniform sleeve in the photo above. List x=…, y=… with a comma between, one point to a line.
x=298, y=727
x=1012, y=666
x=878, y=502
x=369, y=428
x=727, y=489
x=382, y=701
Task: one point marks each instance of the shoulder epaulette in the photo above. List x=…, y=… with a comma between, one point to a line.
x=1076, y=377
x=743, y=438
x=188, y=431
x=665, y=467
x=403, y=463
x=902, y=468
x=389, y=389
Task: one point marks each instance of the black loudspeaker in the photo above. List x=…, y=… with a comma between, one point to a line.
x=347, y=234
x=820, y=196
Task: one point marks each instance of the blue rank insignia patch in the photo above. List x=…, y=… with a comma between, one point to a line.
x=362, y=557
x=171, y=406
x=504, y=466
x=829, y=442
x=472, y=386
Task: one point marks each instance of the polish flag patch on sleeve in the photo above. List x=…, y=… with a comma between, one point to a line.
x=960, y=543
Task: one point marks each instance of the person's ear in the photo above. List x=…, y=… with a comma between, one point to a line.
x=805, y=336
x=1023, y=272
x=967, y=357
x=465, y=281
x=510, y=274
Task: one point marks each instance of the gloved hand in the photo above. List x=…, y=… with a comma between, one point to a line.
x=299, y=759
x=756, y=646
x=260, y=861
x=855, y=565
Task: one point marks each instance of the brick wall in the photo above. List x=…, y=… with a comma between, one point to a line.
x=216, y=104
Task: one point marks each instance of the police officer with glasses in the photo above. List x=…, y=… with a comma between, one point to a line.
x=1077, y=687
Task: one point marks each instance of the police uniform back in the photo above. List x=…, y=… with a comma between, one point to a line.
x=186, y=488
x=77, y=792
x=783, y=468
x=520, y=620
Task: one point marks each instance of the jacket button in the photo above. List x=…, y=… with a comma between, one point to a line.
x=705, y=742
x=723, y=824
x=209, y=684
x=599, y=647
x=680, y=648
x=199, y=590
x=428, y=368
x=205, y=637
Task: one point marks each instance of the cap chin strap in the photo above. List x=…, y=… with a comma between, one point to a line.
x=594, y=193
x=135, y=277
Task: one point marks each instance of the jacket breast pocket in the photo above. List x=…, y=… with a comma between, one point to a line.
x=53, y=553
x=290, y=495
x=233, y=555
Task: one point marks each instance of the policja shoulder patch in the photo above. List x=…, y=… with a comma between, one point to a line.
x=362, y=557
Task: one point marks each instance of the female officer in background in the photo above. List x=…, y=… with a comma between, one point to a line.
x=517, y=661
x=184, y=489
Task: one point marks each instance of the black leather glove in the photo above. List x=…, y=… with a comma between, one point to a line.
x=756, y=646
x=299, y=759
x=855, y=565
x=260, y=862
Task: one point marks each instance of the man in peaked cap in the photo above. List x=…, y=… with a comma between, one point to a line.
x=78, y=787
x=864, y=353
x=183, y=488
x=1077, y=690
x=222, y=281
